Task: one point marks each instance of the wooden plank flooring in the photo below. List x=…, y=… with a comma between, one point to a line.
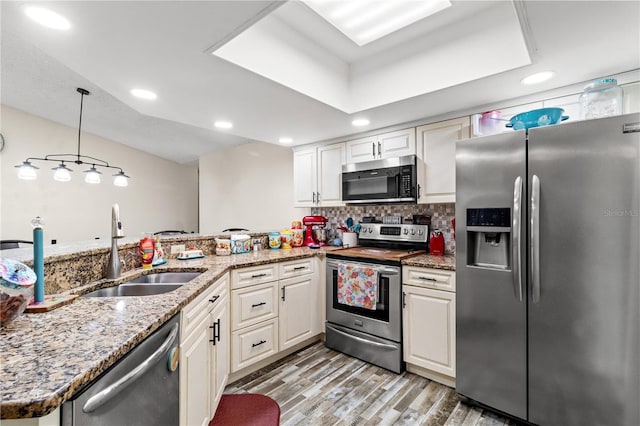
x=319, y=386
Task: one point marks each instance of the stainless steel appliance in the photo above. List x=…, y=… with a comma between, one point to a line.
x=391, y=180
x=373, y=335
x=141, y=389
x=548, y=272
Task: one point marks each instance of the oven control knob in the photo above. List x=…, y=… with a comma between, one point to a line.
x=420, y=232
x=405, y=231
x=413, y=232
x=370, y=230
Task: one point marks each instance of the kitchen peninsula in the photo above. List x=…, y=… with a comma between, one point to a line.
x=47, y=358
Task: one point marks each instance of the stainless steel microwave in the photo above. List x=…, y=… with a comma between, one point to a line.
x=392, y=180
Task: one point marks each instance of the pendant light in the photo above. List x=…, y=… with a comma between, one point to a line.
x=27, y=171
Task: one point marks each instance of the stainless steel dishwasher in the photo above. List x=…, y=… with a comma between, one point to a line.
x=141, y=389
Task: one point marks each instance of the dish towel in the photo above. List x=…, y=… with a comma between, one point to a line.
x=357, y=286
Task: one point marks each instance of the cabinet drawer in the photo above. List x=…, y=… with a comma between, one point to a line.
x=254, y=275
x=430, y=278
x=253, y=343
x=200, y=307
x=250, y=305
x=296, y=268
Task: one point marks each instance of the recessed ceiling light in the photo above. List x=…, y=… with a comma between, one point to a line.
x=223, y=124
x=286, y=141
x=359, y=122
x=366, y=21
x=143, y=94
x=537, y=77
x=47, y=18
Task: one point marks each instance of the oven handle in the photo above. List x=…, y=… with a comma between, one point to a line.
x=360, y=339
x=385, y=271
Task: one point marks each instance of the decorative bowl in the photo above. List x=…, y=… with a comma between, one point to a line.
x=537, y=118
x=16, y=288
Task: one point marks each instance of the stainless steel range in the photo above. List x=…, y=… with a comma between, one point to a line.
x=364, y=293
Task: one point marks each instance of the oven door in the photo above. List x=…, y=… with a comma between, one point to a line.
x=383, y=321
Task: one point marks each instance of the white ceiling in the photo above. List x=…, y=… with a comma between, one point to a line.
x=166, y=47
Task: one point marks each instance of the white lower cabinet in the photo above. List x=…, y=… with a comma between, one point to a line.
x=429, y=328
x=268, y=318
x=254, y=343
x=299, y=317
x=204, y=360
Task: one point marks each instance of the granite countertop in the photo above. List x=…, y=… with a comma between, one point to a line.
x=447, y=261
x=46, y=358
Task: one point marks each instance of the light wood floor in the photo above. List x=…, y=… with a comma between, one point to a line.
x=318, y=386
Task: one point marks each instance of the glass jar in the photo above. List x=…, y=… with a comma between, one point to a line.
x=601, y=98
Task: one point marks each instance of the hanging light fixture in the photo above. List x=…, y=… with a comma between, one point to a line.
x=27, y=171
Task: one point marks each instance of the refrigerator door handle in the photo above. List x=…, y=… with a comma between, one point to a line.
x=535, y=239
x=516, y=238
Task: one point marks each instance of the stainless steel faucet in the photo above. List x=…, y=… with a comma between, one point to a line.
x=114, y=267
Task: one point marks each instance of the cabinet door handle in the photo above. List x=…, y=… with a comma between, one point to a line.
x=259, y=275
x=426, y=278
x=298, y=268
x=317, y=198
x=253, y=345
x=314, y=197
x=418, y=190
x=283, y=294
x=219, y=333
x=379, y=150
x=215, y=334
x=255, y=305
x=404, y=300
x=214, y=298
x=373, y=145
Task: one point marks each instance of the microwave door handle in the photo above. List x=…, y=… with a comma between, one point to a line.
x=397, y=178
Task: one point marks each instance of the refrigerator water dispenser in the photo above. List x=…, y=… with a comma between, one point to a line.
x=489, y=238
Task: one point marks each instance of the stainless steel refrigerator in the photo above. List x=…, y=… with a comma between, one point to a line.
x=548, y=272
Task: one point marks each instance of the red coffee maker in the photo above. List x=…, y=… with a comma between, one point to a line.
x=313, y=224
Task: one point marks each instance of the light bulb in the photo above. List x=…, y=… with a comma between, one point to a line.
x=92, y=175
x=62, y=174
x=121, y=179
x=27, y=171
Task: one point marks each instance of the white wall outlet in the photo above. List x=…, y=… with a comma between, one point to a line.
x=178, y=248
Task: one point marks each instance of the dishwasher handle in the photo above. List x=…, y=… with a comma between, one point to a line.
x=112, y=390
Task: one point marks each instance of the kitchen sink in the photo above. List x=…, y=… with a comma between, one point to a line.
x=146, y=285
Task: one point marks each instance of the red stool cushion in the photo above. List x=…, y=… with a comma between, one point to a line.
x=246, y=409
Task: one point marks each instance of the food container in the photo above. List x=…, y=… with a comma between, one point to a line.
x=490, y=123
x=240, y=244
x=223, y=246
x=274, y=240
x=286, y=237
x=537, y=118
x=601, y=98
x=298, y=237
x=296, y=224
x=16, y=288
x=349, y=239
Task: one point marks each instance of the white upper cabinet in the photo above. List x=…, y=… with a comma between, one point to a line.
x=304, y=177
x=437, y=170
x=386, y=145
x=316, y=176
x=365, y=149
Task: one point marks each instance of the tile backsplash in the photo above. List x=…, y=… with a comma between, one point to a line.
x=441, y=216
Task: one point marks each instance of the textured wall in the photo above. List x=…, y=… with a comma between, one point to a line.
x=441, y=216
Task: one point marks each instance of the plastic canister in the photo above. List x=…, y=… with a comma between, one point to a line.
x=274, y=240
x=601, y=98
x=240, y=244
x=286, y=237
